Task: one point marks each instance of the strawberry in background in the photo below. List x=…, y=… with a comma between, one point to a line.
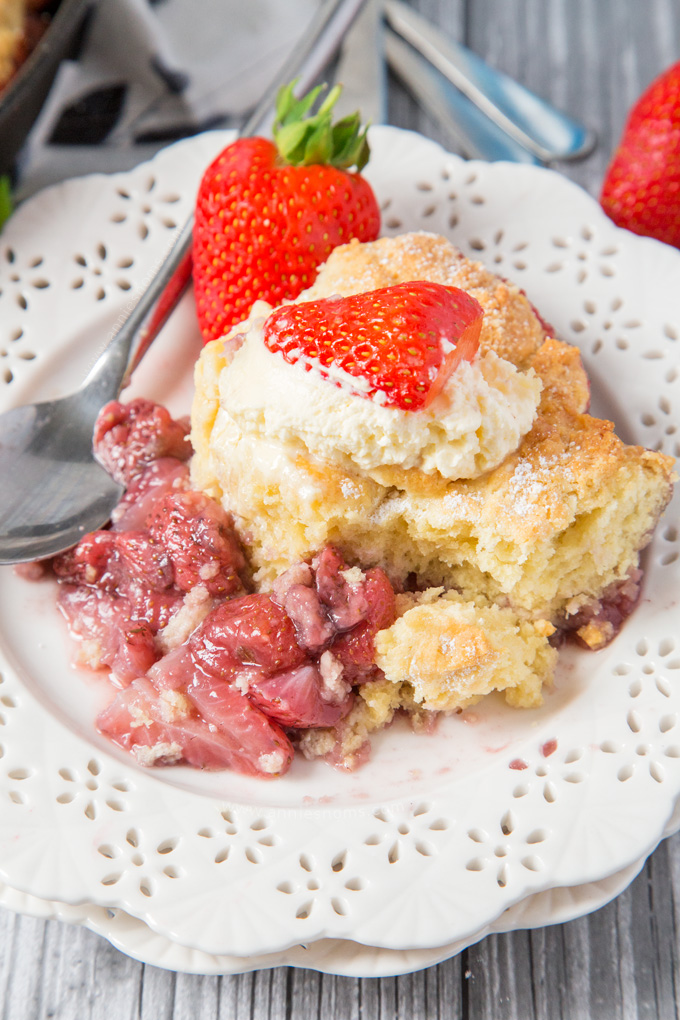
x=641, y=189
x=268, y=213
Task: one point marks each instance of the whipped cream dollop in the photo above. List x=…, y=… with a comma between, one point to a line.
x=476, y=420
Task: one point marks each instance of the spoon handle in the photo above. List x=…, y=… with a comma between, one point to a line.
x=130, y=343
x=531, y=122
x=477, y=135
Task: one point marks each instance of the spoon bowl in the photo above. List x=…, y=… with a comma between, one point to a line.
x=54, y=491
x=71, y=493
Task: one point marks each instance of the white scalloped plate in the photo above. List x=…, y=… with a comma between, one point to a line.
x=437, y=836
x=331, y=956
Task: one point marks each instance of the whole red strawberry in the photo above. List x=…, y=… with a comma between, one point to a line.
x=398, y=344
x=269, y=213
x=641, y=189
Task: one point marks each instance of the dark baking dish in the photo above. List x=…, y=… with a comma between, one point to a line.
x=22, y=99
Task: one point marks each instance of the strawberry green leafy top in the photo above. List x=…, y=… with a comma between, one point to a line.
x=304, y=138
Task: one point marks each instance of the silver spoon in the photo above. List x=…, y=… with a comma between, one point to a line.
x=476, y=134
x=518, y=114
x=53, y=491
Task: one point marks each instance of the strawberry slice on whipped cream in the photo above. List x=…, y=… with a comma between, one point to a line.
x=397, y=345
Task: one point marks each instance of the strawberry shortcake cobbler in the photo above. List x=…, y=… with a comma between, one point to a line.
x=397, y=502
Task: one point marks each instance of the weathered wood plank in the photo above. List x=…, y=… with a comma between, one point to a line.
x=157, y=994
x=23, y=974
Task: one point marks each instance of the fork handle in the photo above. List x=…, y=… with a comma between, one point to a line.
x=115, y=365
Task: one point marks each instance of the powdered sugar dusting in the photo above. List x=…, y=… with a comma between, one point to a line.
x=531, y=481
x=526, y=487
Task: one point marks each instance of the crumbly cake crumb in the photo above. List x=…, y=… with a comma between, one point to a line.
x=271, y=763
x=452, y=653
x=168, y=753
x=174, y=705
x=195, y=607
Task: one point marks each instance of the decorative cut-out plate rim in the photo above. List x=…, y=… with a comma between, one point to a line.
x=342, y=957
x=435, y=863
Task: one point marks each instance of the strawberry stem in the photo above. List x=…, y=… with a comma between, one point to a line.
x=304, y=138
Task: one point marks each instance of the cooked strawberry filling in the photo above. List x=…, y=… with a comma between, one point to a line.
x=209, y=675
x=128, y=436
x=167, y=474
x=598, y=622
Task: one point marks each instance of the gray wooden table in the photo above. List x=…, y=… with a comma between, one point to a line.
x=592, y=58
